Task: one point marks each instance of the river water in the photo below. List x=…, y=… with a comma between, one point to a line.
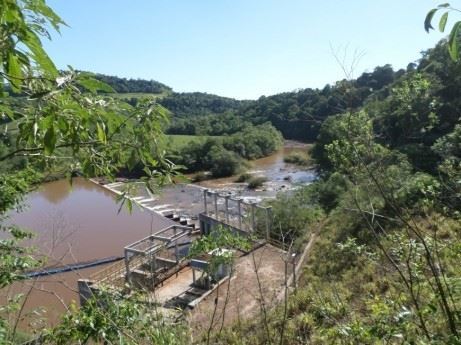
x=281, y=176
x=72, y=224
x=84, y=222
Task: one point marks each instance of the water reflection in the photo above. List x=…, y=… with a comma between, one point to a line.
x=73, y=224
x=83, y=220
x=60, y=191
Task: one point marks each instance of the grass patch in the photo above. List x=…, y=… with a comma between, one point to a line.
x=256, y=181
x=178, y=141
x=298, y=158
x=201, y=176
x=243, y=178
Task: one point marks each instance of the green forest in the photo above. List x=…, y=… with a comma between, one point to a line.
x=383, y=218
x=386, y=213
x=297, y=115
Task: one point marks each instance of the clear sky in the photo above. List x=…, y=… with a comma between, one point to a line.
x=238, y=48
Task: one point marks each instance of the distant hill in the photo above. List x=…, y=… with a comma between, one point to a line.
x=124, y=85
x=184, y=104
x=192, y=104
x=297, y=114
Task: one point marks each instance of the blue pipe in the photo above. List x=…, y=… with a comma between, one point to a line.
x=71, y=267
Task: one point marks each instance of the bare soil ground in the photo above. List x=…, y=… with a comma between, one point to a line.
x=260, y=273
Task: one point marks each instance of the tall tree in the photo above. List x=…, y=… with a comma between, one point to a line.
x=62, y=121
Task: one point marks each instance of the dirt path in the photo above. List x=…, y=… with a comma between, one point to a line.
x=258, y=283
x=259, y=277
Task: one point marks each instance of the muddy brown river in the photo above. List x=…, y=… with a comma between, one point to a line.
x=72, y=224
x=84, y=222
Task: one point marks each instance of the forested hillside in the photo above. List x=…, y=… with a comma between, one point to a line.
x=124, y=85
x=198, y=113
x=386, y=213
x=192, y=104
x=298, y=114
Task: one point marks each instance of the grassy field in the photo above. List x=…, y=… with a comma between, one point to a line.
x=137, y=95
x=172, y=141
x=179, y=141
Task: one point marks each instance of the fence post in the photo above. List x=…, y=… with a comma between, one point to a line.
x=268, y=222
x=205, y=192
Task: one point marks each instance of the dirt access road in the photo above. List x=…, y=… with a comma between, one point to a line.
x=259, y=273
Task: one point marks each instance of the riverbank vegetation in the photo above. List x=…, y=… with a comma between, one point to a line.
x=178, y=141
x=225, y=156
x=298, y=158
x=256, y=181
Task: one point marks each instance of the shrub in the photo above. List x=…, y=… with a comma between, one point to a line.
x=225, y=156
x=243, y=177
x=298, y=158
x=254, y=141
x=200, y=176
x=256, y=181
x=222, y=162
x=294, y=214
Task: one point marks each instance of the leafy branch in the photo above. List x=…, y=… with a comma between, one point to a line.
x=453, y=48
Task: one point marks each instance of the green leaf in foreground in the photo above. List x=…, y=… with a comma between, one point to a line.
x=443, y=22
x=428, y=21
x=93, y=85
x=49, y=140
x=14, y=72
x=101, y=133
x=453, y=41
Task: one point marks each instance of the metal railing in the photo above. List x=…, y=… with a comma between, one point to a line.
x=114, y=275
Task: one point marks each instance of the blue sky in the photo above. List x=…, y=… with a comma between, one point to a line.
x=238, y=48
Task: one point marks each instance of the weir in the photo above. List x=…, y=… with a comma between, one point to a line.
x=159, y=264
